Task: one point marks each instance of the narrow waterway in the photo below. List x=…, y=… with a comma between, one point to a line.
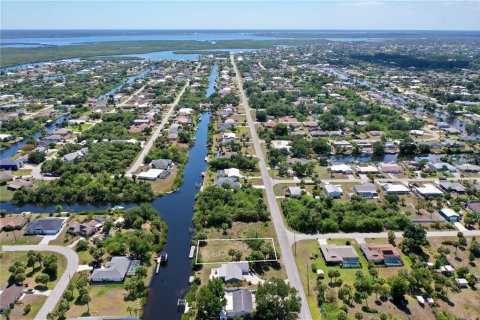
x=10, y=151
x=177, y=209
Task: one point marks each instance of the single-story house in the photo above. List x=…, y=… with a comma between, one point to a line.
x=341, y=144
x=232, y=173
x=19, y=183
x=281, y=144
x=153, y=174
x=474, y=206
x=240, y=303
x=395, y=188
x=164, y=164
x=6, y=175
x=232, y=182
x=452, y=186
x=391, y=168
x=86, y=229
x=228, y=137
x=441, y=166
x=449, y=215
x=366, y=190
x=333, y=191
x=366, y=169
x=11, y=164
x=10, y=295
x=340, y=255
x=381, y=254
x=461, y=283
x=341, y=168
x=45, y=226
x=468, y=168
x=294, y=192
x=231, y=272
x=114, y=271
x=429, y=190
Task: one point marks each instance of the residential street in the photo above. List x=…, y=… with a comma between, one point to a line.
x=146, y=148
x=283, y=239
x=57, y=292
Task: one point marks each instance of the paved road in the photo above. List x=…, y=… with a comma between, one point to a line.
x=57, y=292
x=283, y=239
x=139, y=161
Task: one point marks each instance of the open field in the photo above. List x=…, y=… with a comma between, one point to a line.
x=217, y=250
x=35, y=301
x=17, y=237
x=5, y=194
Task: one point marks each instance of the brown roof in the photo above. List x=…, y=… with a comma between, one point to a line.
x=378, y=251
x=10, y=295
x=334, y=253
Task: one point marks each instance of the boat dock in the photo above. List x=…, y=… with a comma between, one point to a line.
x=192, y=252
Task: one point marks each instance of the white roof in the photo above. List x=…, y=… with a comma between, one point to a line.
x=152, y=173
x=185, y=110
x=449, y=212
x=367, y=169
x=395, y=187
x=229, y=135
x=429, y=189
x=232, y=172
x=340, y=167
x=332, y=188
x=281, y=144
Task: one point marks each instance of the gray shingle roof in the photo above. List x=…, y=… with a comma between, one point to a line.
x=115, y=269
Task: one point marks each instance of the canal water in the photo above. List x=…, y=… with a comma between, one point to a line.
x=212, y=80
x=10, y=151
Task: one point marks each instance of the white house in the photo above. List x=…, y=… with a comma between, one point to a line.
x=450, y=215
x=341, y=168
x=333, y=191
x=429, y=190
x=232, y=173
x=395, y=188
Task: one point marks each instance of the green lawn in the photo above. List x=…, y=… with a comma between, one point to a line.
x=5, y=195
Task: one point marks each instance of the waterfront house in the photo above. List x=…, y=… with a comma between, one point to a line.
x=164, y=164
x=114, y=271
x=441, y=166
x=86, y=229
x=45, y=226
x=240, y=304
x=153, y=174
x=231, y=272
x=341, y=168
x=226, y=181
x=391, y=168
x=12, y=164
x=366, y=169
x=346, y=256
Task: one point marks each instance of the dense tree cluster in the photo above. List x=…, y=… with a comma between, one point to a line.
x=239, y=161
x=216, y=206
x=310, y=215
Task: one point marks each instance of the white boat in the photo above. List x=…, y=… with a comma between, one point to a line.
x=203, y=174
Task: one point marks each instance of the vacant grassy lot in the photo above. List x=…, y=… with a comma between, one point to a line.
x=5, y=195
x=107, y=300
x=17, y=237
x=217, y=250
x=35, y=302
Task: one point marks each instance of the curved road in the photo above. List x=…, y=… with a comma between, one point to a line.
x=282, y=234
x=57, y=292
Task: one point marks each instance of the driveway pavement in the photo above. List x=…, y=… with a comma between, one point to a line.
x=57, y=292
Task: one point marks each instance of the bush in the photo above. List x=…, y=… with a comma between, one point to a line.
x=368, y=309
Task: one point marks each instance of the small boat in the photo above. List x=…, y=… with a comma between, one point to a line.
x=198, y=185
x=203, y=174
x=117, y=207
x=162, y=258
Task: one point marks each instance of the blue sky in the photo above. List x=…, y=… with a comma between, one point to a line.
x=246, y=14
